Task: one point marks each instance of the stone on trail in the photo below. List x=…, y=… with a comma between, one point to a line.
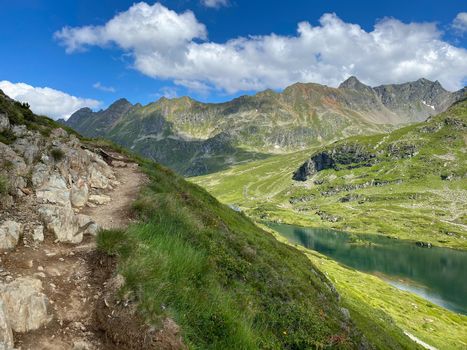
x=9, y=234
x=26, y=305
x=6, y=334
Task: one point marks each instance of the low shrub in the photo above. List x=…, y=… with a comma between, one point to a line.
x=57, y=154
x=3, y=185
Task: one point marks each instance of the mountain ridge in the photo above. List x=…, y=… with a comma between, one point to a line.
x=180, y=131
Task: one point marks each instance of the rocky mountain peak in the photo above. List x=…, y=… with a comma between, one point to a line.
x=121, y=103
x=353, y=83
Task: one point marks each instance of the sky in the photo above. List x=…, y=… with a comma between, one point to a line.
x=62, y=55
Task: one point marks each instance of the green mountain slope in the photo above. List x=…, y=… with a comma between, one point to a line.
x=410, y=183
x=196, y=138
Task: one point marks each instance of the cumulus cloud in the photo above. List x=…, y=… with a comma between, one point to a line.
x=215, y=3
x=144, y=28
x=46, y=101
x=104, y=88
x=168, y=45
x=460, y=23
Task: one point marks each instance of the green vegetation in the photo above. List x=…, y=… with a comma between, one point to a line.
x=413, y=188
x=226, y=282
x=57, y=154
x=7, y=137
x=3, y=185
x=20, y=114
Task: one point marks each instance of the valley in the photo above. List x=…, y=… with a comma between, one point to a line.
x=409, y=184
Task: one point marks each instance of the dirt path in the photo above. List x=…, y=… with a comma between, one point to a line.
x=69, y=277
x=116, y=213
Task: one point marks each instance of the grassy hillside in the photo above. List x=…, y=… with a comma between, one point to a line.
x=226, y=282
x=410, y=184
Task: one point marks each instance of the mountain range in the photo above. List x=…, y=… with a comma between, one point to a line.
x=196, y=138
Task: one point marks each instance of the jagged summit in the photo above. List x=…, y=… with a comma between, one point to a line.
x=122, y=102
x=353, y=83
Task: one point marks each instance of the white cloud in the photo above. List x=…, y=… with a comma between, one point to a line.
x=460, y=23
x=167, y=45
x=143, y=28
x=46, y=101
x=104, y=88
x=215, y=3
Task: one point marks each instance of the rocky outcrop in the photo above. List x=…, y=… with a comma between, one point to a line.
x=58, y=175
x=348, y=155
x=25, y=304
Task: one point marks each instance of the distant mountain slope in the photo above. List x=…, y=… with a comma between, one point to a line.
x=409, y=183
x=195, y=138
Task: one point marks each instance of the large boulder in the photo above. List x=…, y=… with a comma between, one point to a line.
x=61, y=221
x=26, y=305
x=9, y=234
x=56, y=211
x=6, y=335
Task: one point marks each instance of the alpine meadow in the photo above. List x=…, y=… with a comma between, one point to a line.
x=230, y=175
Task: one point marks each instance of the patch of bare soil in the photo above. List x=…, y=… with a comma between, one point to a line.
x=73, y=277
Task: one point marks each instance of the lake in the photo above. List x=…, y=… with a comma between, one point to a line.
x=436, y=274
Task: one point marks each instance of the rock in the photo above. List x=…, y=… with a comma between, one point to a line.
x=79, y=194
x=6, y=335
x=9, y=234
x=82, y=345
x=345, y=155
x=14, y=163
x=84, y=220
x=38, y=233
x=61, y=221
x=40, y=173
x=118, y=164
x=19, y=130
x=97, y=179
x=92, y=229
x=99, y=199
x=25, y=303
x=54, y=191
x=4, y=122
x=56, y=211
x=27, y=147
x=87, y=225
x=59, y=132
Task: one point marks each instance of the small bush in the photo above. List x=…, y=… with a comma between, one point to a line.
x=57, y=154
x=3, y=185
x=7, y=137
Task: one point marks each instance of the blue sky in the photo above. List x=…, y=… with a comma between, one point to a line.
x=93, y=52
